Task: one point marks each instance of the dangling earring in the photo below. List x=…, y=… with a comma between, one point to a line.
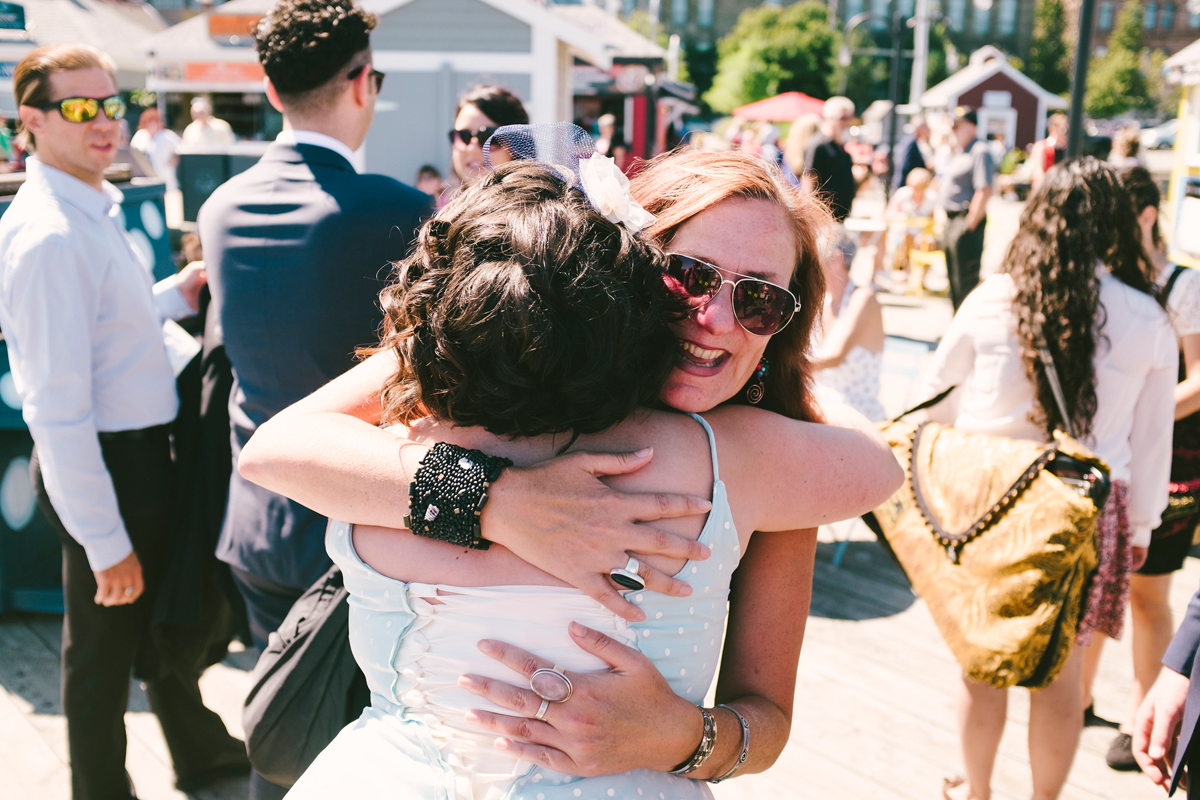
x=757, y=385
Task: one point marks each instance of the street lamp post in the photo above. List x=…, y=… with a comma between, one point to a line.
x=1087, y=14
x=894, y=97
x=896, y=53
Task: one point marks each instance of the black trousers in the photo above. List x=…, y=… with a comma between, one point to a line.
x=267, y=604
x=964, y=252
x=1192, y=762
x=101, y=645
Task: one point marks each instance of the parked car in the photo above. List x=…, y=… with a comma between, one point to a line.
x=1161, y=137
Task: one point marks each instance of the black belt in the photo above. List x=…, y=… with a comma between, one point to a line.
x=139, y=435
x=957, y=214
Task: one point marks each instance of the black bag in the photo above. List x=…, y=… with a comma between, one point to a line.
x=307, y=686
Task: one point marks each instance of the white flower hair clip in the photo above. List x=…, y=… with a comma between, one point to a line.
x=607, y=189
x=567, y=150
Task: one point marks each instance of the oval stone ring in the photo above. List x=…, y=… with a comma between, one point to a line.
x=552, y=685
x=628, y=576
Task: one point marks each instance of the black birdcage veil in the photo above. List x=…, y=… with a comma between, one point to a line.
x=558, y=146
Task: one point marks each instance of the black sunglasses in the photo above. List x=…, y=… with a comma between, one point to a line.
x=761, y=307
x=481, y=136
x=376, y=74
x=86, y=109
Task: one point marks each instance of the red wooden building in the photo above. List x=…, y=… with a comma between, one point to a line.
x=1008, y=102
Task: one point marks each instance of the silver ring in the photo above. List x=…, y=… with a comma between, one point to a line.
x=541, y=712
x=627, y=576
x=552, y=685
x=129, y=591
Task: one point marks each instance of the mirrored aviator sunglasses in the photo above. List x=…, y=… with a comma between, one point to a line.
x=761, y=307
x=86, y=109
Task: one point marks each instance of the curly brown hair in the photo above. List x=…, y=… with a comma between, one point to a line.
x=1079, y=215
x=679, y=185
x=304, y=44
x=524, y=311
x=1143, y=193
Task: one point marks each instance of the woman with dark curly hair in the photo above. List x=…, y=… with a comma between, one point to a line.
x=1077, y=278
x=523, y=325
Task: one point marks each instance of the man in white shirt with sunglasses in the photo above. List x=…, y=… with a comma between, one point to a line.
x=83, y=322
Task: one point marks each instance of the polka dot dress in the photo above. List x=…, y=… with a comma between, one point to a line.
x=413, y=641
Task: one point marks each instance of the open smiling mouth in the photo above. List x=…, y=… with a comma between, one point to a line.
x=697, y=355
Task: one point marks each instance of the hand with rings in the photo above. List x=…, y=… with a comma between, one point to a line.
x=120, y=584
x=587, y=723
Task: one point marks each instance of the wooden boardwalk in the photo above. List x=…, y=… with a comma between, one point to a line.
x=874, y=706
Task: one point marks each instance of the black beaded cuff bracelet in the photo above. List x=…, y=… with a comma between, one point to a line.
x=448, y=494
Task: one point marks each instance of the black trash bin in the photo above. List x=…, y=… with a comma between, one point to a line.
x=30, y=553
x=202, y=169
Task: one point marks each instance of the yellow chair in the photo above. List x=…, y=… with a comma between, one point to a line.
x=922, y=253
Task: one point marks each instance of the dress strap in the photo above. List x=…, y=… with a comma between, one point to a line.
x=712, y=444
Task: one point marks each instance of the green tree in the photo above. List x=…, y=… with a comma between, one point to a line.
x=1049, y=55
x=1115, y=81
x=1127, y=33
x=772, y=50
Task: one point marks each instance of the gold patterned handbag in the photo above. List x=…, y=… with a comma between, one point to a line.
x=998, y=546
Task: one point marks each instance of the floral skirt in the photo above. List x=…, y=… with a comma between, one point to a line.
x=1104, y=602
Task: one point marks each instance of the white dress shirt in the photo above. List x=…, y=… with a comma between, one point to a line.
x=85, y=343
x=213, y=132
x=1136, y=363
x=315, y=139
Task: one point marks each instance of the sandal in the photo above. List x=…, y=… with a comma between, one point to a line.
x=951, y=783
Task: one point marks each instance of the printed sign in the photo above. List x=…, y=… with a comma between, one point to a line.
x=12, y=16
x=223, y=72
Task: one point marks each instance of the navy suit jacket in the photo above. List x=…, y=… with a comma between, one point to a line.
x=911, y=158
x=1181, y=657
x=297, y=249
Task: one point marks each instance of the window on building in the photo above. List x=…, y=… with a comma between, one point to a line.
x=1150, y=20
x=853, y=8
x=1194, y=20
x=956, y=10
x=704, y=13
x=981, y=20
x=679, y=12
x=1167, y=19
x=1006, y=23
x=908, y=7
x=1106, y=16
x=880, y=14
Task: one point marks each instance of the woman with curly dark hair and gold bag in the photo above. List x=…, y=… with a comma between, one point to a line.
x=1076, y=281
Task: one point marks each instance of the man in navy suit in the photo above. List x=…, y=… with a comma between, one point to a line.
x=297, y=249
x=1164, y=732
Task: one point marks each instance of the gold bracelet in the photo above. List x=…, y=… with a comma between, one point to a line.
x=741, y=759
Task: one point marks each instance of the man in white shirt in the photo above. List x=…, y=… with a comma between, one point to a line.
x=83, y=323
x=205, y=129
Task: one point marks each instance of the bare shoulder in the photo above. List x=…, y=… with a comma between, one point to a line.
x=682, y=459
